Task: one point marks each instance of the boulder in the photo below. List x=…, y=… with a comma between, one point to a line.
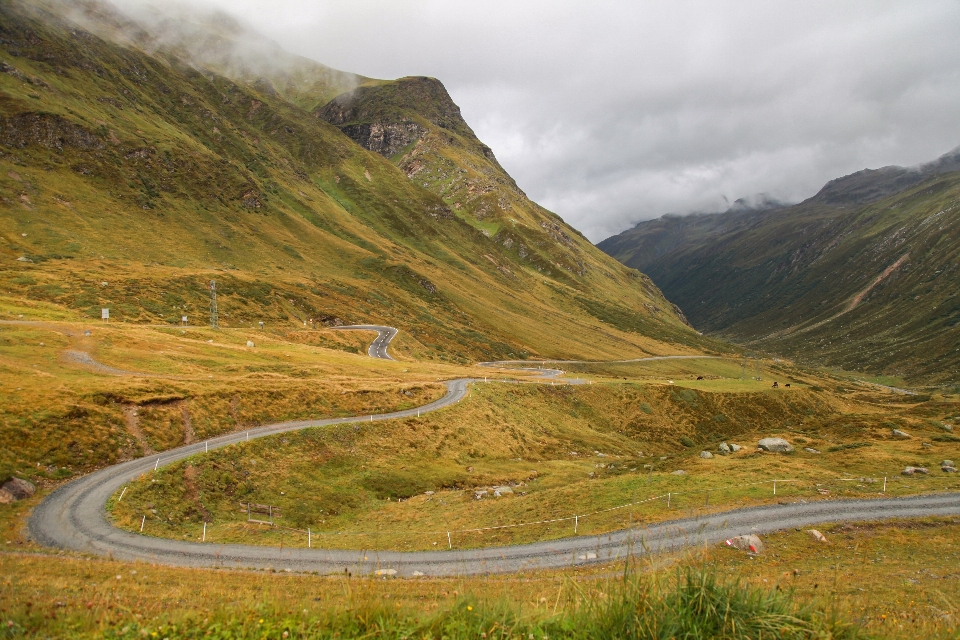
x=723, y=448
x=481, y=494
x=948, y=469
x=810, y=450
x=499, y=491
x=679, y=472
x=249, y=343
x=909, y=471
x=749, y=543
x=903, y=435
x=735, y=447
x=816, y=535
x=947, y=463
x=6, y=497
x=706, y=455
x=19, y=489
x=775, y=445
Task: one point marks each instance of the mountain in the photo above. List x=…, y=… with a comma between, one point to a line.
x=137, y=167
x=862, y=275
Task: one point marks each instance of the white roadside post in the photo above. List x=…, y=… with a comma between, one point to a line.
x=142, y=522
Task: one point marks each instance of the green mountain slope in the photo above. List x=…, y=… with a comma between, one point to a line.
x=854, y=277
x=130, y=179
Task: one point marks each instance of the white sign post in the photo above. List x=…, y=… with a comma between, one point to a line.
x=104, y=314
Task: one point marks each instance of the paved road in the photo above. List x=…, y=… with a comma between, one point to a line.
x=73, y=517
x=378, y=348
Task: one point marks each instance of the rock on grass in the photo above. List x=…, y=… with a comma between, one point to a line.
x=775, y=445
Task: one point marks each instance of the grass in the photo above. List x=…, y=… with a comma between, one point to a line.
x=693, y=603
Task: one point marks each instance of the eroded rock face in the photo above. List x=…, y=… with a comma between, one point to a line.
x=384, y=138
x=775, y=445
x=46, y=130
x=377, y=117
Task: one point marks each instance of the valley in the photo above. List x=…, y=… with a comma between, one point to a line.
x=285, y=351
x=857, y=277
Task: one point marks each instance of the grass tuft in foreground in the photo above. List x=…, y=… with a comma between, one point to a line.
x=695, y=602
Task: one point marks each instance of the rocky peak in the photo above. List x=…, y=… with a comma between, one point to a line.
x=394, y=102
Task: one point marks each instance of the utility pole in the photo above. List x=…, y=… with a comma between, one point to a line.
x=214, y=318
x=743, y=367
x=757, y=360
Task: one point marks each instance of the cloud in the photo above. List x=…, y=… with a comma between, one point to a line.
x=611, y=112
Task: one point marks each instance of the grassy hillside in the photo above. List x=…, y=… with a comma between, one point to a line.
x=868, y=287
x=129, y=180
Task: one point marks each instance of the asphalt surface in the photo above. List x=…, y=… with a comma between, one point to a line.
x=74, y=517
x=378, y=348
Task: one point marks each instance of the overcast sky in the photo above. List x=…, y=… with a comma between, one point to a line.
x=609, y=113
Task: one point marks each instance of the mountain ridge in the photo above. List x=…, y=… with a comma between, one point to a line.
x=833, y=280
x=129, y=180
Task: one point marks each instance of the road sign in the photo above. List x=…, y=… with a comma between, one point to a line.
x=104, y=314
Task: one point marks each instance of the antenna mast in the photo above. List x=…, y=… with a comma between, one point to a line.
x=214, y=318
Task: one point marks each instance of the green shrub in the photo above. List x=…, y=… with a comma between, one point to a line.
x=687, y=442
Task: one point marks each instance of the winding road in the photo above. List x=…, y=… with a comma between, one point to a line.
x=74, y=517
x=378, y=348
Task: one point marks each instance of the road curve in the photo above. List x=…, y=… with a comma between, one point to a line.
x=73, y=517
x=378, y=348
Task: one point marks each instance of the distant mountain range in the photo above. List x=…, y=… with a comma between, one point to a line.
x=862, y=275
